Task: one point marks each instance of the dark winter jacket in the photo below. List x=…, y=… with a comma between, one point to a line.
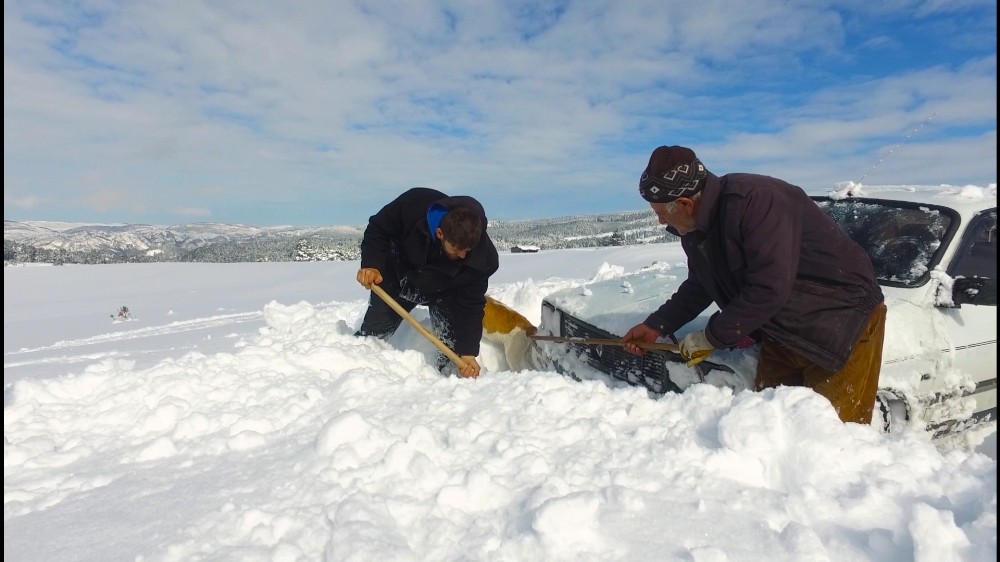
x=398, y=241
x=777, y=267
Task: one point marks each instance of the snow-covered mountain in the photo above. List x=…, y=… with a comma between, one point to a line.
x=82, y=237
x=62, y=242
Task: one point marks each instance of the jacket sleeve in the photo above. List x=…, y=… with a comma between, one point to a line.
x=383, y=227
x=769, y=232
x=466, y=316
x=468, y=301
x=682, y=307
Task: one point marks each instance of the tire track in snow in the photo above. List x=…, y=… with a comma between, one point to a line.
x=139, y=333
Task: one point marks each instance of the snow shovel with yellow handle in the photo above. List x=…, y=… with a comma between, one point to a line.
x=419, y=327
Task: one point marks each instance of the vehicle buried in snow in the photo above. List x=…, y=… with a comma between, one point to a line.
x=935, y=255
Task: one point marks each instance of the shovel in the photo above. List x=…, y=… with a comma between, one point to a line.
x=601, y=341
x=416, y=324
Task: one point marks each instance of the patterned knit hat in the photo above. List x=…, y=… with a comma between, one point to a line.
x=673, y=171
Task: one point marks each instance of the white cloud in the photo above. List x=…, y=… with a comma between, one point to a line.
x=330, y=109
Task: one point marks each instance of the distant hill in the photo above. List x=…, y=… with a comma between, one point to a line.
x=60, y=242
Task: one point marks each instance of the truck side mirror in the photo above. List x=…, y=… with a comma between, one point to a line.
x=974, y=290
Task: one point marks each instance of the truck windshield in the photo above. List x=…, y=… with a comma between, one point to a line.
x=905, y=240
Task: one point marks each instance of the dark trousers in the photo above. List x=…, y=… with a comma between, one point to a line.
x=381, y=321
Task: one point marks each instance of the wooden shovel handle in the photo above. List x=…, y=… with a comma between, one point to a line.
x=416, y=324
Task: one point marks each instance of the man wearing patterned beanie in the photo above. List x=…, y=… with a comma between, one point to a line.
x=780, y=271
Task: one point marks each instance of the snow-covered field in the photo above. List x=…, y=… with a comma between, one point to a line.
x=235, y=417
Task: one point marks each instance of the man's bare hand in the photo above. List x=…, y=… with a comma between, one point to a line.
x=469, y=368
x=369, y=276
x=639, y=333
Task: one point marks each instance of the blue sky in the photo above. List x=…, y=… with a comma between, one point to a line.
x=319, y=112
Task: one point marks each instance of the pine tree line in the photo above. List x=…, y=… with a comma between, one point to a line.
x=612, y=229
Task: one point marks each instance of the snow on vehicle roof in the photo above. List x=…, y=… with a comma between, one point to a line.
x=965, y=199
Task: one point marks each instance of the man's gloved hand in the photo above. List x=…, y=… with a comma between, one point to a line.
x=695, y=348
x=368, y=276
x=470, y=369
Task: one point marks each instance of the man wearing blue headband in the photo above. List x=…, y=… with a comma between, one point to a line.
x=427, y=248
